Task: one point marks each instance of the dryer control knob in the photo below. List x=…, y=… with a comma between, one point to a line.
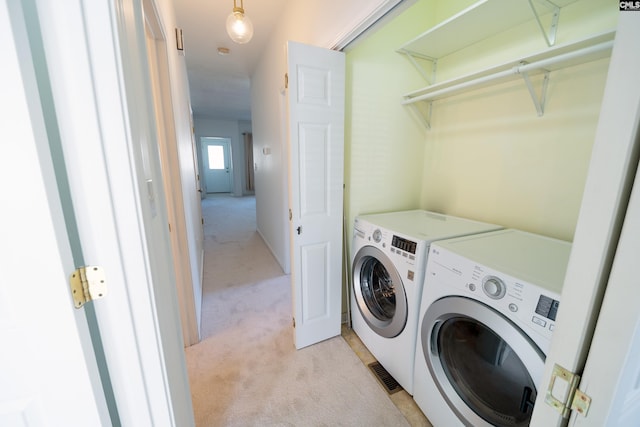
x=377, y=235
x=494, y=287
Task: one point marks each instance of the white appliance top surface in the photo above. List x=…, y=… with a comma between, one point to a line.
x=427, y=226
x=537, y=259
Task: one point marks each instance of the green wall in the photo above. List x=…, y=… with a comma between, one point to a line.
x=487, y=156
x=384, y=145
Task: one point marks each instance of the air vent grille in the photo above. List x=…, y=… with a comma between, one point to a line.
x=385, y=378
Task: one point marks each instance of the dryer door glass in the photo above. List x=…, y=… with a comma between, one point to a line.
x=486, y=372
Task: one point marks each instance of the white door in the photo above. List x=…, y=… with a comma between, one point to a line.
x=316, y=155
x=612, y=373
x=613, y=167
x=44, y=338
x=216, y=154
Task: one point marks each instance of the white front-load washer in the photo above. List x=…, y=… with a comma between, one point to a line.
x=390, y=251
x=487, y=315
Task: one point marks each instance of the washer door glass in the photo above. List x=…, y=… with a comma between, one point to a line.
x=491, y=369
x=379, y=292
x=377, y=289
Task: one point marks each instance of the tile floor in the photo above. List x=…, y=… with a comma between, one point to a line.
x=403, y=400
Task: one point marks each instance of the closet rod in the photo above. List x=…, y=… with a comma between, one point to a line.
x=518, y=69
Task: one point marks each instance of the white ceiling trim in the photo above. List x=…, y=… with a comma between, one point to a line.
x=360, y=24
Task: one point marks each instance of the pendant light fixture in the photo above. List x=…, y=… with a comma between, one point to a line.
x=239, y=26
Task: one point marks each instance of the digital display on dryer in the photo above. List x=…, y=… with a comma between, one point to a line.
x=404, y=244
x=547, y=307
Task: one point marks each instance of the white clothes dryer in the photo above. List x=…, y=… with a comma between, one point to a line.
x=390, y=252
x=486, y=319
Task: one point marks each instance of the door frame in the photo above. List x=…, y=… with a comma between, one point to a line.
x=610, y=378
x=188, y=284
x=96, y=56
x=614, y=162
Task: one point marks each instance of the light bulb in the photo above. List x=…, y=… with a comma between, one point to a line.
x=239, y=27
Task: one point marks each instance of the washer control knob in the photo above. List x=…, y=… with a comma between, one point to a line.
x=513, y=307
x=472, y=287
x=493, y=287
x=377, y=235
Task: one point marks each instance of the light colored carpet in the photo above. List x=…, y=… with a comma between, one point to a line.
x=235, y=254
x=246, y=371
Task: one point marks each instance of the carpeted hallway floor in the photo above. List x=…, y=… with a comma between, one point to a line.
x=246, y=371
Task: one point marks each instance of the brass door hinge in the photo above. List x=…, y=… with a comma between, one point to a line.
x=294, y=322
x=87, y=283
x=286, y=80
x=563, y=394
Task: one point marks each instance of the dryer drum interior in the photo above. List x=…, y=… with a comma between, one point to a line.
x=379, y=292
x=377, y=289
x=482, y=363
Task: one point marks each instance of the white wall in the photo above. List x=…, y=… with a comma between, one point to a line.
x=314, y=22
x=384, y=142
x=223, y=128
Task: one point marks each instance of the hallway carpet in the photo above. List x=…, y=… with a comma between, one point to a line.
x=246, y=370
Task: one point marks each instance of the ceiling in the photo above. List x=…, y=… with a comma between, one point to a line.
x=219, y=85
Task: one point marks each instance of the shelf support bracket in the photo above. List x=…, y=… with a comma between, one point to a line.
x=424, y=116
x=539, y=102
x=430, y=79
x=549, y=36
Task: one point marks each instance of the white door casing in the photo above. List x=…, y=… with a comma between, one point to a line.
x=151, y=282
x=614, y=160
x=316, y=79
x=217, y=177
x=612, y=373
x=188, y=285
x=44, y=339
x=97, y=63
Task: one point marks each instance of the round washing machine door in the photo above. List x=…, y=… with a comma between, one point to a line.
x=379, y=292
x=484, y=366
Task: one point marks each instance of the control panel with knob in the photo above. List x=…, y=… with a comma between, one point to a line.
x=494, y=287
